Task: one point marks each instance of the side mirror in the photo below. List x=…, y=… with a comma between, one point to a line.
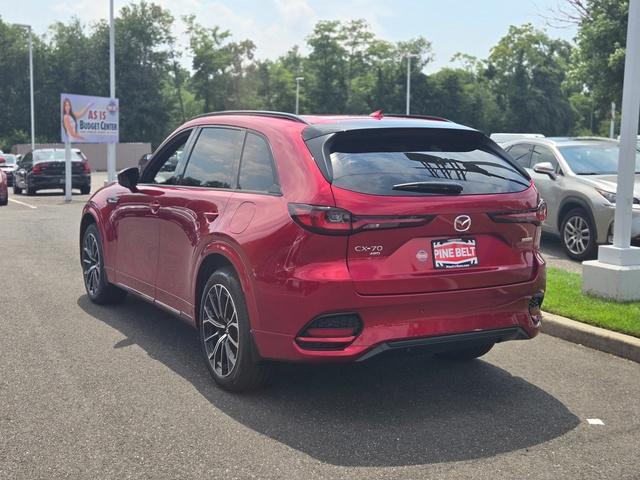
x=545, y=168
x=129, y=177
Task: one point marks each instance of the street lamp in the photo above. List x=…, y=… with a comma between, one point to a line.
x=33, y=134
x=409, y=57
x=298, y=80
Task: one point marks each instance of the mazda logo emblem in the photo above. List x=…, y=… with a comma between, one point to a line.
x=462, y=223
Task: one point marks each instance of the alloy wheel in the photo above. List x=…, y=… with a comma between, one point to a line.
x=577, y=235
x=91, y=264
x=221, y=334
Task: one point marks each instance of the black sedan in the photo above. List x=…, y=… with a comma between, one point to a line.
x=43, y=169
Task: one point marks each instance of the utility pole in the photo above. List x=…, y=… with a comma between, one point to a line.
x=298, y=80
x=33, y=132
x=612, y=125
x=111, y=147
x=409, y=57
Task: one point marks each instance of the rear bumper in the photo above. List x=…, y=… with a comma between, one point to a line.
x=395, y=321
x=58, y=181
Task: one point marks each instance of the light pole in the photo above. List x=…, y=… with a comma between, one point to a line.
x=111, y=147
x=409, y=57
x=298, y=80
x=33, y=133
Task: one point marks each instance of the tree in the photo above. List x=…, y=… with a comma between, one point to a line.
x=598, y=59
x=527, y=70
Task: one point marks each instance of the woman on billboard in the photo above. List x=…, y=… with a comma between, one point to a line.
x=70, y=119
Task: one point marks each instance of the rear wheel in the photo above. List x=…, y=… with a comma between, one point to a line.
x=469, y=353
x=98, y=288
x=85, y=190
x=225, y=335
x=5, y=200
x=16, y=189
x=31, y=190
x=578, y=235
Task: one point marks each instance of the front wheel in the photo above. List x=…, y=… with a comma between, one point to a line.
x=16, y=189
x=465, y=354
x=578, y=235
x=225, y=335
x=98, y=288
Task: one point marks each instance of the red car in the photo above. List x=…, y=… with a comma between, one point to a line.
x=4, y=191
x=323, y=238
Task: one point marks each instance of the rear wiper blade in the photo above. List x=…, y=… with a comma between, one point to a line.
x=445, y=188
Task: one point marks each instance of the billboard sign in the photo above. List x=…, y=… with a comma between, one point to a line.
x=87, y=119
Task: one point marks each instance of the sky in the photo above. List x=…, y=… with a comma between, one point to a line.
x=470, y=26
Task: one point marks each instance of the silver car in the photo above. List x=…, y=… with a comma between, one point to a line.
x=577, y=178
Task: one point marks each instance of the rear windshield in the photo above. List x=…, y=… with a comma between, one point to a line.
x=54, y=156
x=423, y=162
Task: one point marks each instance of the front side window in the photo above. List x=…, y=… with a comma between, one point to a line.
x=214, y=160
x=543, y=155
x=256, y=168
x=167, y=164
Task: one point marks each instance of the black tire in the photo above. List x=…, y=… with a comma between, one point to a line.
x=575, y=243
x=16, y=189
x=5, y=200
x=31, y=190
x=85, y=190
x=98, y=288
x=465, y=354
x=247, y=372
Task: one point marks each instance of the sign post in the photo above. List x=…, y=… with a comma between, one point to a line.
x=86, y=119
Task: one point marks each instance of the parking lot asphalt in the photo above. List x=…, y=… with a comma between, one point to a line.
x=121, y=392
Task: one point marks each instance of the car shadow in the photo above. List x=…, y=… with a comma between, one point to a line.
x=388, y=411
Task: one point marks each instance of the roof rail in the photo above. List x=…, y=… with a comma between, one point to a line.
x=420, y=117
x=258, y=113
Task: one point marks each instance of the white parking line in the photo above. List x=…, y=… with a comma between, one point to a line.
x=594, y=421
x=22, y=203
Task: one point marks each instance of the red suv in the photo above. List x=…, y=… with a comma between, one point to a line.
x=323, y=238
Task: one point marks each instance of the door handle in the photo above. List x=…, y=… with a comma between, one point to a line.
x=155, y=207
x=112, y=200
x=210, y=216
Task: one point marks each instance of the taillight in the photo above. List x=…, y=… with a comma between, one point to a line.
x=534, y=215
x=319, y=219
x=85, y=167
x=337, y=221
x=37, y=168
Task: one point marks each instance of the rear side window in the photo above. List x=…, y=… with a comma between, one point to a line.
x=420, y=162
x=214, y=160
x=256, y=168
x=521, y=154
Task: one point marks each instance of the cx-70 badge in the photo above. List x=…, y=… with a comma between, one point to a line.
x=372, y=250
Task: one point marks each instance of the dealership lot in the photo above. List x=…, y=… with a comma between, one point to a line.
x=113, y=392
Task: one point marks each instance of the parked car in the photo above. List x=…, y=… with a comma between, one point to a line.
x=501, y=138
x=4, y=191
x=322, y=239
x=8, y=164
x=577, y=177
x=44, y=168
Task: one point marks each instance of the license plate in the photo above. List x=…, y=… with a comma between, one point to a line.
x=454, y=253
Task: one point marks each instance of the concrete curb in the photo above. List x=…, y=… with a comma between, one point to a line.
x=618, y=344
